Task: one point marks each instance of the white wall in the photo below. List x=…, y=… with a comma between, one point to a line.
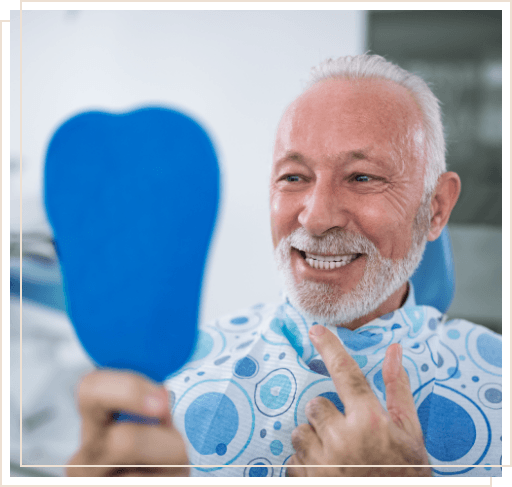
x=233, y=71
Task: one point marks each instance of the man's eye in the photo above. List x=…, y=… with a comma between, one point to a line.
x=292, y=178
x=362, y=178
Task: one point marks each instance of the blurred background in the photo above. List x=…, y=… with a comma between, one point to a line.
x=234, y=72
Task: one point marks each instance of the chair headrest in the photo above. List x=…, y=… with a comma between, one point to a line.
x=434, y=279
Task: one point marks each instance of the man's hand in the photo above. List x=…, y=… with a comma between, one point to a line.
x=107, y=442
x=366, y=434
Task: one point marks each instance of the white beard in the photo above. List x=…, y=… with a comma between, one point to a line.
x=382, y=277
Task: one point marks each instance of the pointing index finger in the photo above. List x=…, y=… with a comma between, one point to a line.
x=350, y=382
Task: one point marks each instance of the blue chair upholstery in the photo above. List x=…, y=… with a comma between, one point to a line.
x=434, y=280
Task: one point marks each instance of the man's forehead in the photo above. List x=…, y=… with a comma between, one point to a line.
x=345, y=96
x=354, y=103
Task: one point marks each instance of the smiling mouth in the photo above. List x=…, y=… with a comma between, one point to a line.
x=328, y=262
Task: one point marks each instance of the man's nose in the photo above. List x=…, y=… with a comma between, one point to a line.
x=323, y=209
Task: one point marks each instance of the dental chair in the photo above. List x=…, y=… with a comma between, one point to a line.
x=434, y=279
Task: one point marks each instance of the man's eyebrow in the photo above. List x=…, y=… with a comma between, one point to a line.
x=345, y=156
x=358, y=154
x=291, y=156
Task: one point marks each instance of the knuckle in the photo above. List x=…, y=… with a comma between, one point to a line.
x=296, y=436
x=312, y=408
x=122, y=444
x=358, y=383
x=86, y=387
x=291, y=466
x=338, y=365
x=375, y=422
x=132, y=388
x=380, y=423
x=316, y=403
x=104, y=382
x=316, y=406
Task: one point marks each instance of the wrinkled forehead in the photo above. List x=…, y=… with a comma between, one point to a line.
x=355, y=106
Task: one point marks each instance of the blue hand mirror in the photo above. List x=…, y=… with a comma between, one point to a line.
x=132, y=199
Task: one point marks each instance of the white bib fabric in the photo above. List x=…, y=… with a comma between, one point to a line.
x=245, y=390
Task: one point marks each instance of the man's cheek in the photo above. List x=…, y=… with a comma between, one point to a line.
x=277, y=221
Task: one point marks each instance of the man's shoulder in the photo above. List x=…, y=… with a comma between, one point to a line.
x=455, y=326
x=473, y=345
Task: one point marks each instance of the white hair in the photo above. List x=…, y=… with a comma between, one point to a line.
x=374, y=66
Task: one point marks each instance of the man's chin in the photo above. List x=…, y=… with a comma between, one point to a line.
x=323, y=303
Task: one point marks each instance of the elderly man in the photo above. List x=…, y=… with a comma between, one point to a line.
x=347, y=376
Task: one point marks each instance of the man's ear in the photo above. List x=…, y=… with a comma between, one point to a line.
x=442, y=203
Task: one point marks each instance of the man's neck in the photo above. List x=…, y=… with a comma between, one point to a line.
x=395, y=301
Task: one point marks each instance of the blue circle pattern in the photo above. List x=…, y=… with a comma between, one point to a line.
x=221, y=449
x=493, y=395
x=240, y=320
x=276, y=400
x=454, y=372
x=246, y=367
x=275, y=393
x=276, y=447
x=484, y=350
x=262, y=468
x=453, y=334
x=489, y=348
x=319, y=367
x=216, y=412
x=212, y=420
x=258, y=471
x=441, y=418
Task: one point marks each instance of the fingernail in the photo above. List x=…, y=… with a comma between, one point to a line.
x=153, y=404
x=317, y=330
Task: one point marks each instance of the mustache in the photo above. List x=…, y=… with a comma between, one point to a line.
x=335, y=241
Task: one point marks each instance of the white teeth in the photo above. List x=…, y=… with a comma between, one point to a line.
x=331, y=258
x=329, y=262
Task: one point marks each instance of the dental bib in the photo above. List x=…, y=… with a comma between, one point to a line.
x=132, y=199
